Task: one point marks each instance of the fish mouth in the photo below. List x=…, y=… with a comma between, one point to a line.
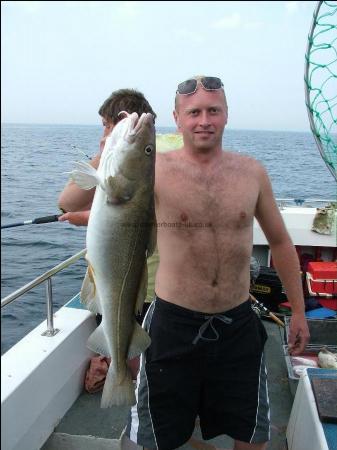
x=146, y=119
x=136, y=124
x=133, y=121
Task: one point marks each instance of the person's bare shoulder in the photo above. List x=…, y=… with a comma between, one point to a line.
x=165, y=159
x=166, y=164
x=242, y=162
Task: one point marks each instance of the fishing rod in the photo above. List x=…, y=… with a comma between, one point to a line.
x=266, y=310
x=79, y=150
x=44, y=219
x=38, y=220
x=254, y=273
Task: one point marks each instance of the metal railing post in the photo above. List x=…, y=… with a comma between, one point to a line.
x=50, y=319
x=27, y=287
x=49, y=294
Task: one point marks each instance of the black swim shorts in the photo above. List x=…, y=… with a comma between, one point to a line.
x=206, y=365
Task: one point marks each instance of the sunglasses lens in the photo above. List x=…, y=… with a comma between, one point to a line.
x=211, y=83
x=187, y=87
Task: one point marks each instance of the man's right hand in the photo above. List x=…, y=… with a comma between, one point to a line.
x=78, y=218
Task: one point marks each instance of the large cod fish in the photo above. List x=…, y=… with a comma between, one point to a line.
x=121, y=234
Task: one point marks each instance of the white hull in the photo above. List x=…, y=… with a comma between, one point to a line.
x=41, y=377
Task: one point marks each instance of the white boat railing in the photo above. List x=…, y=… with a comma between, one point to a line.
x=304, y=202
x=46, y=277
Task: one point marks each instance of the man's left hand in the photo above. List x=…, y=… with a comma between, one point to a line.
x=78, y=218
x=298, y=334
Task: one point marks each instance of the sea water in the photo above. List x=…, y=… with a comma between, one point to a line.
x=34, y=159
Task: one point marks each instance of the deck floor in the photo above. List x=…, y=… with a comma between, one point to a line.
x=86, y=417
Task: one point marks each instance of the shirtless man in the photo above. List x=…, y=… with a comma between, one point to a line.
x=206, y=356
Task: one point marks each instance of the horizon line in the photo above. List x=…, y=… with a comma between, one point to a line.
x=159, y=126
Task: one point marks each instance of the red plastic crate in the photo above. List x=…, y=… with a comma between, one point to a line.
x=323, y=270
x=322, y=278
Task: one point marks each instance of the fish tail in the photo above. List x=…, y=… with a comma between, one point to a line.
x=118, y=390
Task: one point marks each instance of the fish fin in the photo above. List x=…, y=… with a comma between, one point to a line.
x=118, y=189
x=152, y=243
x=89, y=294
x=98, y=343
x=116, y=392
x=85, y=176
x=140, y=340
x=141, y=291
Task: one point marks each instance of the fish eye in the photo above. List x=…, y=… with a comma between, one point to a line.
x=148, y=150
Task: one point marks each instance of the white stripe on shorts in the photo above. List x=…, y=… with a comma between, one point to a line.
x=134, y=427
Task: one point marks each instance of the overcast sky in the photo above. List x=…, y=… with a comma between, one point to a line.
x=60, y=60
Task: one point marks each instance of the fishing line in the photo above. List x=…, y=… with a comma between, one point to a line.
x=81, y=151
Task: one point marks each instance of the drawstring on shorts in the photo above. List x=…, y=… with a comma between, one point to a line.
x=209, y=321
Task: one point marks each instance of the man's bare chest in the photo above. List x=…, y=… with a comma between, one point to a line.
x=219, y=198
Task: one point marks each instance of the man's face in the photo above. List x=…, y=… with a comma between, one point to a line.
x=201, y=117
x=107, y=126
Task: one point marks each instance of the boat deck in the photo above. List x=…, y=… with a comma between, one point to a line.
x=87, y=426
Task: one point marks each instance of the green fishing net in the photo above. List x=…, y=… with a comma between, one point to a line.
x=321, y=81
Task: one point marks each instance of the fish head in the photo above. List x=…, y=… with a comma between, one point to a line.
x=141, y=150
x=128, y=158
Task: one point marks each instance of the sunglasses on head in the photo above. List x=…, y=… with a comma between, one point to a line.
x=208, y=83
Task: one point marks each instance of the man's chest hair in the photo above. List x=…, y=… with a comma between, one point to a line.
x=215, y=204
x=225, y=192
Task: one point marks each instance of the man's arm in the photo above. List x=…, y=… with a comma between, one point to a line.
x=73, y=198
x=285, y=260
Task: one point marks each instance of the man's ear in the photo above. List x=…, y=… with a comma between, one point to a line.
x=176, y=118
